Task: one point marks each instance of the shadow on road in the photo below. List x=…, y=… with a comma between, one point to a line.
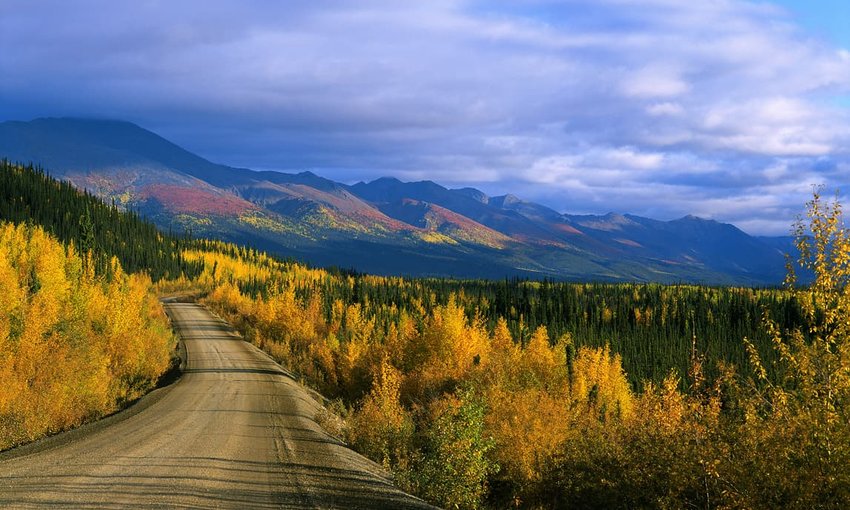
x=235, y=371
x=208, y=482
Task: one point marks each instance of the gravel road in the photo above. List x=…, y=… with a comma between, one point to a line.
x=234, y=432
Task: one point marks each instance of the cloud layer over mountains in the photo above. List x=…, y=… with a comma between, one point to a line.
x=723, y=109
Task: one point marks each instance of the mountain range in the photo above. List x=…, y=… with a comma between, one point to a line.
x=385, y=226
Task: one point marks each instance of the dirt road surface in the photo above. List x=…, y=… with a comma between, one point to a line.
x=234, y=432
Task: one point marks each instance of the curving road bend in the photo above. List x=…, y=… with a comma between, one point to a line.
x=234, y=432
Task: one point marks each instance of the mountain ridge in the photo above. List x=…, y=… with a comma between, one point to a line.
x=385, y=226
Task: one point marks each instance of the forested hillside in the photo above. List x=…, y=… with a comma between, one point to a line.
x=79, y=336
x=28, y=194
x=73, y=345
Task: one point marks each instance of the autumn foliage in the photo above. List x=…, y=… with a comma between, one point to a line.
x=448, y=405
x=481, y=394
x=73, y=346
x=470, y=415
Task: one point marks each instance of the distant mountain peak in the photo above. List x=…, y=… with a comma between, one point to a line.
x=505, y=201
x=692, y=217
x=82, y=120
x=475, y=194
x=384, y=180
x=428, y=184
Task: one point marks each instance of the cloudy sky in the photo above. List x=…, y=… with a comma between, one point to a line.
x=721, y=108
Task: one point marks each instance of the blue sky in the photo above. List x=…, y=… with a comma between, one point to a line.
x=722, y=108
x=825, y=18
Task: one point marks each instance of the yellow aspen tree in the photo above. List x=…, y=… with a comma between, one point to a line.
x=600, y=383
x=813, y=397
x=504, y=355
x=541, y=366
x=382, y=428
x=528, y=425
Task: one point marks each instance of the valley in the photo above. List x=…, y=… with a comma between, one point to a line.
x=451, y=386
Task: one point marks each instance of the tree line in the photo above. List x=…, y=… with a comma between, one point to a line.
x=654, y=327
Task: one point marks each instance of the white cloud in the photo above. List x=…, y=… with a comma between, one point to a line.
x=665, y=109
x=655, y=82
x=773, y=126
x=596, y=167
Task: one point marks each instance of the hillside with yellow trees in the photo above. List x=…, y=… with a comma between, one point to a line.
x=80, y=337
x=74, y=345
